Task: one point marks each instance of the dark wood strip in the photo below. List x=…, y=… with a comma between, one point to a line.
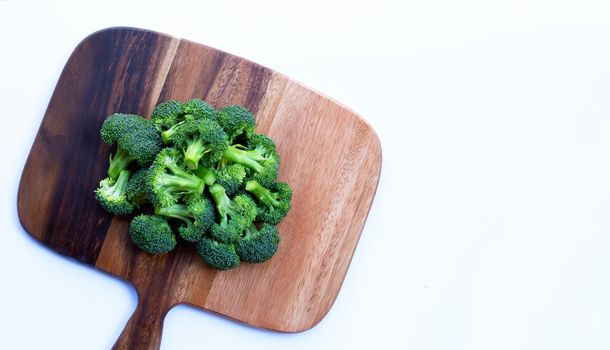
x=109, y=71
x=220, y=79
x=239, y=82
x=181, y=84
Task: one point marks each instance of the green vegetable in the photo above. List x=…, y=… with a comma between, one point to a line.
x=197, y=216
x=152, y=234
x=219, y=256
x=191, y=110
x=236, y=121
x=136, y=139
x=112, y=194
x=166, y=115
x=164, y=165
x=231, y=177
x=261, y=159
x=235, y=215
x=136, y=190
x=274, y=203
x=167, y=180
x=197, y=138
x=207, y=175
x=258, y=245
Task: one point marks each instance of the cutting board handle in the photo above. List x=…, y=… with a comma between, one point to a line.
x=144, y=328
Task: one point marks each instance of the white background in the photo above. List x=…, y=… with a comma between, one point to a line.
x=491, y=225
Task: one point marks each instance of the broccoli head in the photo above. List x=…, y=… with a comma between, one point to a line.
x=236, y=121
x=261, y=159
x=274, y=202
x=136, y=139
x=198, y=138
x=166, y=115
x=192, y=110
x=136, y=190
x=231, y=177
x=112, y=194
x=197, y=217
x=152, y=234
x=235, y=215
x=217, y=255
x=198, y=109
x=167, y=180
x=258, y=245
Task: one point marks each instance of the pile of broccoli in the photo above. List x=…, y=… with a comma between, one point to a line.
x=197, y=175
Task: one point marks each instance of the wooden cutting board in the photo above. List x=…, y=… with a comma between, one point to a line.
x=330, y=157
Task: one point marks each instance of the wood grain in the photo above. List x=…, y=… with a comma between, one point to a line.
x=330, y=156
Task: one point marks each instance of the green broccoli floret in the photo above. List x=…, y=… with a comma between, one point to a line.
x=192, y=110
x=231, y=177
x=258, y=245
x=136, y=139
x=111, y=194
x=274, y=202
x=197, y=217
x=115, y=125
x=198, y=138
x=198, y=109
x=166, y=115
x=152, y=234
x=235, y=215
x=137, y=189
x=167, y=180
x=219, y=256
x=207, y=175
x=261, y=159
x=236, y=121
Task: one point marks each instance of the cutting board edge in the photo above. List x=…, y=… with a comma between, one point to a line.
x=273, y=71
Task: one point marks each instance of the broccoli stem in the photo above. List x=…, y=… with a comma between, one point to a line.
x=182, y=182
x=262, y=193
x=176, y=211
x=194, y=151
x=119, y=162
x=120, y=185
x=167, y=134
x=245, y=158
x=178, y=171
x=206, y=175
x=223, y=203
x=251, y=230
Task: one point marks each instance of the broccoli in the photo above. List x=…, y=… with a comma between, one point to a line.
x=207, y=175
x=192, y=110
x=198, y=109
x=116, y=125
x=261, y=158
x=166, y=115
x=136, y=139
x=198, y=138
x=136, y=188
x=152, y=234
x=169, y=160
x=231, y=177
x=111, y=194
x=235, y=214
x=274, y=202
x=197, y=216
x=217, y=255
x=258, y=245
x=236, y=121
x=167, y=181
